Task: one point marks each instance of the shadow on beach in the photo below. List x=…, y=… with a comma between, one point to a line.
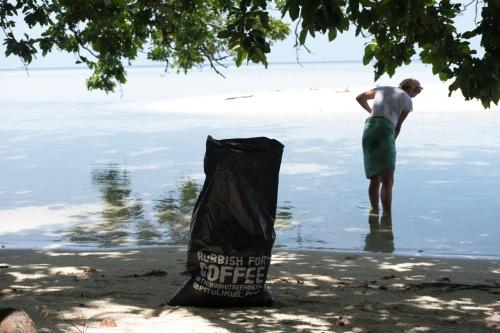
x=314, y=292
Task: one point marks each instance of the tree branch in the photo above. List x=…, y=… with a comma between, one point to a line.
x=212, y=61
x=81, y=43
x=25, y=65
x=297, y=45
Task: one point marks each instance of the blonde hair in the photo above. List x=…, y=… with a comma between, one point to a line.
x=409, y=84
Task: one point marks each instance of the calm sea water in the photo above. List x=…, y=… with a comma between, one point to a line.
x=84, y=169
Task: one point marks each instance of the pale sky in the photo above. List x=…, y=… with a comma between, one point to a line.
x=346, y=47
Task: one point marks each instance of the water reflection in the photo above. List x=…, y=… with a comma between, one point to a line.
x=112, y=226
x=125, y=220
x=115, y=187
x=284, y=215
x=380, y=238
x=175, y=213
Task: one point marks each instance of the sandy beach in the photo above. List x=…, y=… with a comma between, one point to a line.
x=127, y=290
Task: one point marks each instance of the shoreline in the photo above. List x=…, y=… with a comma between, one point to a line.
x=315, y=291
x=396, y=253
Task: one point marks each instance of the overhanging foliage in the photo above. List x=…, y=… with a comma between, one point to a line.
x=188, y=33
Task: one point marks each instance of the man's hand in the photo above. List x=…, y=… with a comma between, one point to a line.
x=363, y=99
x=401, y=119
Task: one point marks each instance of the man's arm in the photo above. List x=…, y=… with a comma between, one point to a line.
x=364, y=97
x=402, y=118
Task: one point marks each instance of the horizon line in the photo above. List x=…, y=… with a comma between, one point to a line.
x=227, y=65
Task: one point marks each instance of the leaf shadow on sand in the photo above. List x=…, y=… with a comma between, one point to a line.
x=314, y=292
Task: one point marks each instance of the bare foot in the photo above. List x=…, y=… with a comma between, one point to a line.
x=386, y=221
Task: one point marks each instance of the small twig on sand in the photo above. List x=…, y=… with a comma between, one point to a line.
x=80, y=323
x=229, y=98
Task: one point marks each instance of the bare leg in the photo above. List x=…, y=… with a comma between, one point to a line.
x=373, y=220
x=373, y=193
x=387, y=179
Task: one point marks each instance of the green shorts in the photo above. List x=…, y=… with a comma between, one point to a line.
x=379, y=146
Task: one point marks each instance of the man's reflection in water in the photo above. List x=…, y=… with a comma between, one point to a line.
x=380, y=237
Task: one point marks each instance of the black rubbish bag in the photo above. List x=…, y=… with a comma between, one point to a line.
x=232, y=227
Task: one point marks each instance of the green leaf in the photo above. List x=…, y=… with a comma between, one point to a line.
x=311, y=31
x=302, y=36
x=240, y=56
x=485, y=102
x=332, y=34
x=358, y=30
x=369, y=53
x=294, y=11
x=443, y=76
x=261, y=56
x=469, y=34
x=224, y=34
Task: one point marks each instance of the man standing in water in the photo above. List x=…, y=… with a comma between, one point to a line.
x=390, y=108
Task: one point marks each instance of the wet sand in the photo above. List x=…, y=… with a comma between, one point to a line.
x=66, y=291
